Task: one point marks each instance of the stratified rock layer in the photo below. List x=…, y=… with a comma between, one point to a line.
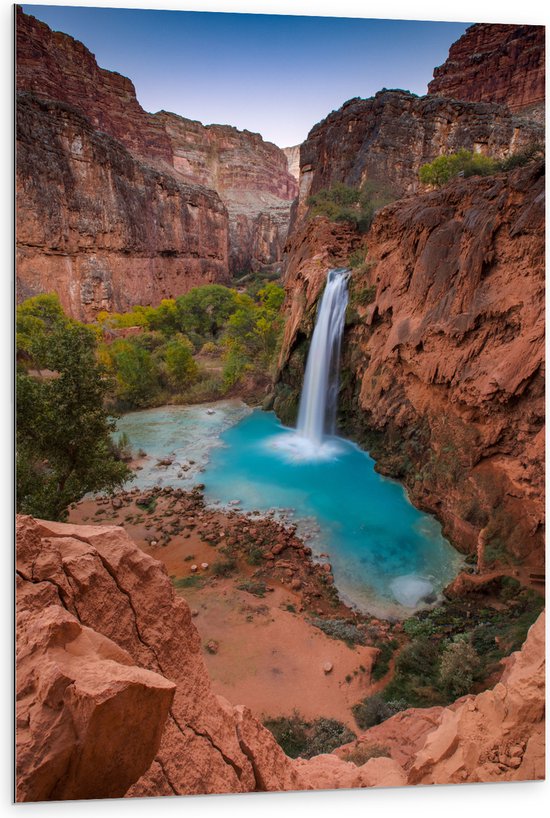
x=443, y=355
x=102, y=229
x=388, y=137
x=251, y=177
x=495, y=63
x=99, y=626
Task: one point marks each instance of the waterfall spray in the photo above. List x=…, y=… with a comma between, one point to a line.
x=318, y=401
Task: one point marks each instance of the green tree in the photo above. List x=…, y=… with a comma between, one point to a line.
x=63, y=438
x=180, y=368
x=203, y=311
x=137, y=377
x=459, y=664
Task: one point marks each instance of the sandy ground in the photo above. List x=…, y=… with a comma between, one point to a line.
x=268, y=657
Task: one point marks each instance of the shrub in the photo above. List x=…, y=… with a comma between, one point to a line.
x=251, y=587
x=459, y=663
x=224, y=568
x=355, y=205
x=382, y=662
x=374, y=710
x=523, y=157
x=362, y=753
x=340, y=629
x=300, y=738
x=464, y=162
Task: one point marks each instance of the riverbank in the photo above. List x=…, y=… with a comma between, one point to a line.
x=255, y=593
x=275, y=634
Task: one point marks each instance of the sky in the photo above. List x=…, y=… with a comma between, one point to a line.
x=273, y=74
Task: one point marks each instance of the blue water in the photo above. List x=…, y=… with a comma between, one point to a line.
x=385, y=553
x=387, y=556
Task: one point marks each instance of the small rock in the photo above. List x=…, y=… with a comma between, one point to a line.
x=204, y=566
x=296, y=584
x=327, y=667
x=153, y=542
x=212, y=646
x=194, y=612
x=194, y=568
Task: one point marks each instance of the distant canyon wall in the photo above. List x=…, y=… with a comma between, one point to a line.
x=234, y=174
x=101, y=228
x=496, y=63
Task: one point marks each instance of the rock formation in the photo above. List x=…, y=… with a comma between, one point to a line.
x=251, y=177
x=293, y=158
x=443, y=355
x=99, y=227
x=496, y=63
x=110, y=664
x=246, y=223
x=388, y=137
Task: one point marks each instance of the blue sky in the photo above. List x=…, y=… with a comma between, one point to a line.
x=277, y=75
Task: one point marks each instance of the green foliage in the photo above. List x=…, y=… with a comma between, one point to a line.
x=204, y=311
x=374, y=710
x=464, y=162
x=459, y=665
x=523, y=157
x=224, y=568
x=348, y=632
x=178, y=366
x=254, y=588
x=64, y=447
x=305, y=739
x=341, y=203
x=192, y=581
x=137, y=377
x=382, y=663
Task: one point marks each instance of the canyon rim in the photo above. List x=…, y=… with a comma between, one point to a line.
x=280, y=407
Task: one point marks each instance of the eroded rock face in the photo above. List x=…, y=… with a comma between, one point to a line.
x=495, y=63
x=388, y=137
x=102, y=229
x=89, y=721
x=102, y=641
x=251, y=177
x=442, y=367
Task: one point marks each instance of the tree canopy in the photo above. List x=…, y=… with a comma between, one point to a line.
x=64, y=447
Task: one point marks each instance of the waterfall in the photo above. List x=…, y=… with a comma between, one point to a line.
x=317, y=414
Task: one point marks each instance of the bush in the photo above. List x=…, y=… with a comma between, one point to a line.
x=374, y=710
x=382, y=662
x=340, y=629
x=341, y=203
x=300, y=738
x=224, y=568
x=464, y=162
x=459, y=664
x=362, y=753
x=523, y=157
x=254, y=588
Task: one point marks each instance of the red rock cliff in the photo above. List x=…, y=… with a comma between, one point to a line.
x=101, y=228
x=111, y=679
x=250, y=175
x=443, y=366
x=388, y=138
x=495, y=63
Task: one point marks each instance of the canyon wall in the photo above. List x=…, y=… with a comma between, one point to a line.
x=111, y=679
x=101, y=228
x=496, y=63
x=388, y=137
x=443, y=355
x=242, y=183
